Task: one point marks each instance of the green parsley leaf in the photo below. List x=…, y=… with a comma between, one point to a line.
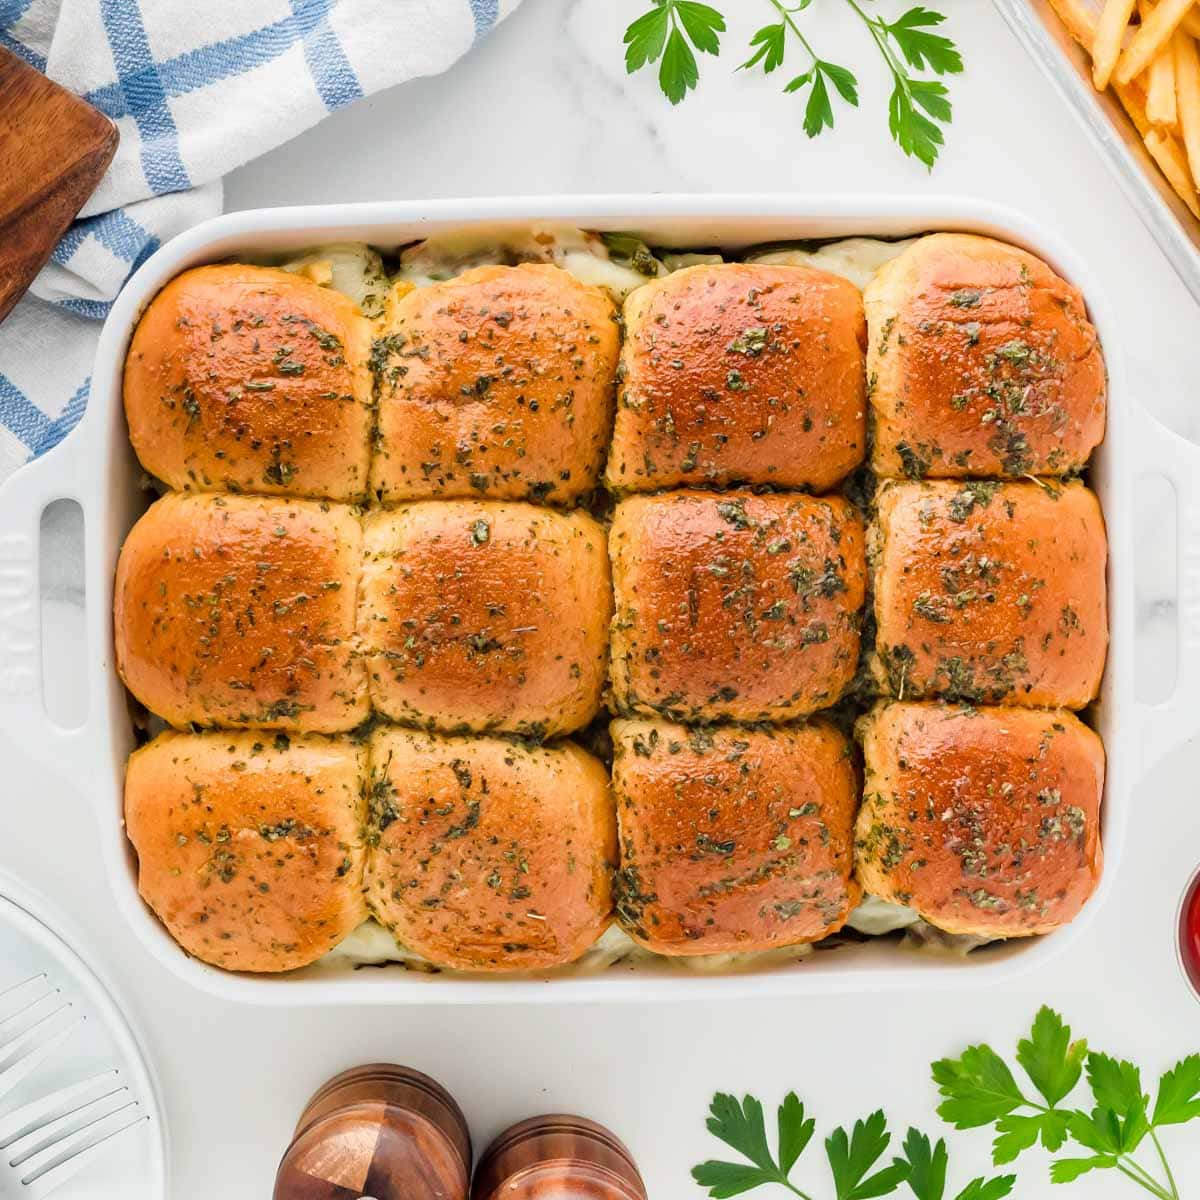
x=1052, y=1062
x=926, y=1177
x=1067, y=1170
x=851, y=1158
x=842, y=79
x=1101, y=1130
x=1115, y=1084
x=988, y=1189
x=922, y=49
x=931, y=96
x=1179, y=1093
x=978, y=1087
x=645, y=39
x=914, y=133
x=818, y=113
x=1015, y=1134
x=926, y=1166
x=771, y=41
x=741, y=1126
x=795, y=1132
x=725, y=1179
x=704, y=25
x=679, y=73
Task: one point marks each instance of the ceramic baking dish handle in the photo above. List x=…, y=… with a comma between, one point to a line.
x=57, y=475
x=1168, y=724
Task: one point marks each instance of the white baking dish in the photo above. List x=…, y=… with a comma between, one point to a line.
x=96, y=467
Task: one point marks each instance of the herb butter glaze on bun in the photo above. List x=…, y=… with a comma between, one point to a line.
x=498, y=383
x=986, y=821
x=239, y=611
x=990, y=592
x=485, y=615
x=733, y=840
x=486, y=854
x=252, y=379
x=741, y=373
x=982, y=362
x=732, y=606
x=249, y=846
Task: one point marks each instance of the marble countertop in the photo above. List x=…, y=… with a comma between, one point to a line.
x=544, y=107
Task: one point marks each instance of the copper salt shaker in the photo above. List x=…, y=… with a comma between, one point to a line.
x=380, y=1131
x=558, y=1158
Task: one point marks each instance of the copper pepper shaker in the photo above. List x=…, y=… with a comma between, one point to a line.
x=558, y=1158
x=381, y=1132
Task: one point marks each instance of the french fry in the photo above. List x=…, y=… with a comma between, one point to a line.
x=1160, y=79
x=1187, y=81
x=1080, y=20
x=1134, y=103
x=1106, y=49
x=1191, y=23
x=1151, y=38
x=1166, y=151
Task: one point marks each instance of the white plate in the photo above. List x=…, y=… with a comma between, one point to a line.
x=133, y=1165
x=96, y=467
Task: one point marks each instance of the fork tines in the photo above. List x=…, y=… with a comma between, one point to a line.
x=49, y=1140
x=37, y=1023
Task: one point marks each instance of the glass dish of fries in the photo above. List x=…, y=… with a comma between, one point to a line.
x=1130, y=69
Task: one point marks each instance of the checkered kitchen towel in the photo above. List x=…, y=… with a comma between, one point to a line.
x=197, y=87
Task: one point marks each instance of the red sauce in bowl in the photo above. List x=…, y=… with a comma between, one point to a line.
x=1189, y=933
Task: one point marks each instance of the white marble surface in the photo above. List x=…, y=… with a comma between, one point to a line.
x=544, y=107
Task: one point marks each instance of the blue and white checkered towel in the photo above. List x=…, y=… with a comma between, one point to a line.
x=197, y=87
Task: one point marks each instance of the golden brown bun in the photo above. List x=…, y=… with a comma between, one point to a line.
x=497, y=383
x=732, y=606
x=249, y=847
x=741, y=373
x=251, y=379
x=991, y=593
x=481, y=615
x=239, y=611
x=733, y=840
x=489, y=855
x=985, y=821
x=982, y=361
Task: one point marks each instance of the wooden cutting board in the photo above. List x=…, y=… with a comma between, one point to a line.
x=54, y=148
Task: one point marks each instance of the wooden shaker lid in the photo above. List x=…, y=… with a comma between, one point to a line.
x=381, y=1132
x=558, y=1157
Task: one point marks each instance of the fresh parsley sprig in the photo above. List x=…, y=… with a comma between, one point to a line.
x=979, y=1089
x=671, y=31
x=914, y=130
x=853, y=1157
x=668, y=32
x=770, y=49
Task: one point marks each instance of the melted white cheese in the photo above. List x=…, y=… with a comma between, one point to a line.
x=875, y=917
x=856, y=259
x=584, y=255
x=372, y=944
x=352, y=268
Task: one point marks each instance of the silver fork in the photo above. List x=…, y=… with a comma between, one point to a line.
x=48, y=1141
